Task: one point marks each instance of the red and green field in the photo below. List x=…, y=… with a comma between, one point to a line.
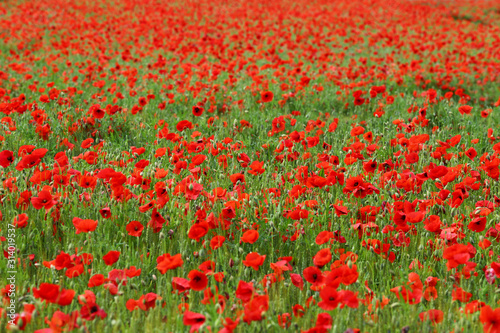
x=250, y=166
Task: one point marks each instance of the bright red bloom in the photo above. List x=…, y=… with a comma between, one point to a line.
x=314, y=275
x=193, y=319
x=6, y=158
x=111, y=257
x=197, y=280
x=197, y=111
x=84, y=225
x=435, y=316
x=465, y=109
x=167, y=262
x=322, y=257
x=135, y=228
x=266, y=96
x=250, y=236
x=44, y=200
x=216, y=242
x=490, y=319
x=254, y=260
x=20, y=221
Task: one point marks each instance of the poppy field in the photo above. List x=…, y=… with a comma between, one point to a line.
x=249, y=166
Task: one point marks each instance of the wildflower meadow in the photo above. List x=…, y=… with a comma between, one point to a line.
x=249, y=166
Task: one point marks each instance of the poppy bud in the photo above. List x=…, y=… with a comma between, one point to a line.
x=201, y=253
x=196, y=254
x=154, y=277
x=162, y=235
x=170, y=232
x=191, y=187
x=231, y=262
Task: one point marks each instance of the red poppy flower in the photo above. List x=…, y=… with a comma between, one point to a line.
x=255, y=308
x=257, y=168
x=322, y=257
x=244, y=291
x=471, y=153
x=21, y=221
x=197, y=111
x=465, y=109
x=97, y=112
x=184, y=124
x=96, y=280
x=478, y=224
x=44, y=200
x=84, y=225
x=237, y=177
x=250, y=236
x=254, y=260
x=180, y=285
x=490, y=319
x=266, y=96
x=6, y=158
x=330, y=299
x=167, y=262
x=198, y=230
x=434, y=315
x=486, y=112
x=217, y=241
x=297, y=280
x=193, y=319
x=87, y=143
x=197, y=280
x=457, y=254
x=52, y=293
x=314, y=276
x=111, y=257
x=135, y=228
